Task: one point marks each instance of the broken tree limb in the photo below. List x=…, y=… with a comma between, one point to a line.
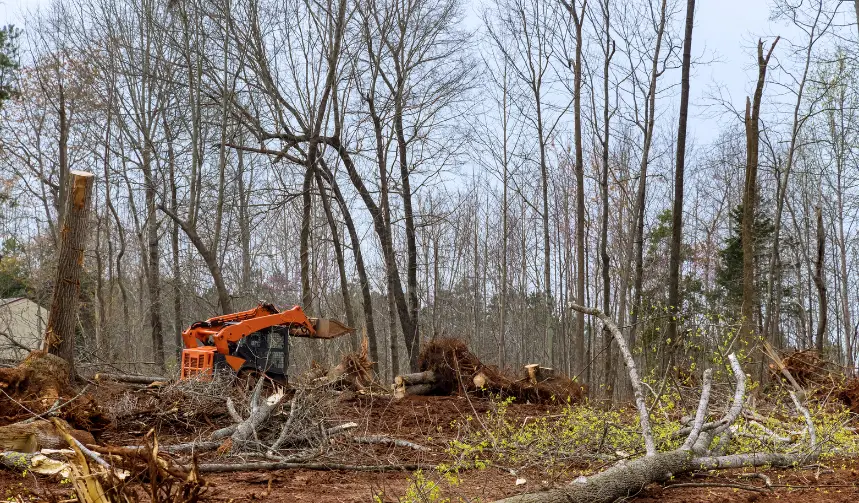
x=640, y=404
x=39, y=434
x=378, y=439
x=340, y=429
x=231, y=410
x=286, y=428
x=260, y=412
x=625, y=480
x=701, y=413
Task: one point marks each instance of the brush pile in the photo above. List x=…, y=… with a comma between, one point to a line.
x=448, y=367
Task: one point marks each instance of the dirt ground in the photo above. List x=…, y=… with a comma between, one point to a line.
x=429, y=421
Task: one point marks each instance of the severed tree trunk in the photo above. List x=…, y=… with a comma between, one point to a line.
x=60, y=334
x=750, y=195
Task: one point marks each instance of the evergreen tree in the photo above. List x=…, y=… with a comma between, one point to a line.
x=729, y=274
x=8, y=62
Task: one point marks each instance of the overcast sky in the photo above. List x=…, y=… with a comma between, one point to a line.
x=725, y=30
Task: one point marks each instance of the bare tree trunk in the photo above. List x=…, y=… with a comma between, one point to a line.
x=62, y=318
x=63, y=147
x=338, y=253
x=304, y=237
x=412, y=336
x=174, y=240
x=819, y=281
x=609, y=49
x=750, y=196
x=679, y=171
x=637, y=220
x=578, y=20
x=367, y=299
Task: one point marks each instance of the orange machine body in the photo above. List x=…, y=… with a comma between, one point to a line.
x=218, y=337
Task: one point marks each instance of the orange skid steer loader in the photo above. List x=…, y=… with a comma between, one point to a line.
x=252, y=341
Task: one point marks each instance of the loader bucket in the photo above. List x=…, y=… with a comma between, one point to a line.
x=329, y=329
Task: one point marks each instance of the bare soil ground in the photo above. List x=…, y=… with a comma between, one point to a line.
x=432, y=422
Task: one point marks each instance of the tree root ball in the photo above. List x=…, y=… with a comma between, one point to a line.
x=40, y=383
x=455, y=368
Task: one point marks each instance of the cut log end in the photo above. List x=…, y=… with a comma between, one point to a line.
x=412, y=389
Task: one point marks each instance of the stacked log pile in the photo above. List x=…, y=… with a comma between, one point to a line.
x=448, y=367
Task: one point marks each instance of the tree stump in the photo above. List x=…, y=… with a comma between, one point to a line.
x=60, y=334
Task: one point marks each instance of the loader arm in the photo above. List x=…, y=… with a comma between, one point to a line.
x=222, y=334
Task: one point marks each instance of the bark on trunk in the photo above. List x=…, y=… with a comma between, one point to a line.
x=60, y=333
x=819, y=282
x=677, y=211
x=750, y=196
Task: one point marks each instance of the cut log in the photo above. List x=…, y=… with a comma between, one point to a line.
x=412, y=389
x=536, y=373
x=129, y=378
x=60, y=333
x=41, y=434
x=426, y=377
x=480, y=380
x=30, y=462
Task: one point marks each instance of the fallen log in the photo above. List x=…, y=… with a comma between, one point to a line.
x=625, y=480
x=275, y=465
x=130, y=378
x=426, y=377
x=32, y=462
x=412, y=389
x=40, y=434
x=378, y=439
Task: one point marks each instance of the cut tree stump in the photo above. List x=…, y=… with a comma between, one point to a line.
x=60, y=334
x=536, y=373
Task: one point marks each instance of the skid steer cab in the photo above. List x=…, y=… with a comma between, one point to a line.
x=251, y=341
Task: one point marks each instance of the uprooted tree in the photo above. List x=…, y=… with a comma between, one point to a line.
x=704, y=448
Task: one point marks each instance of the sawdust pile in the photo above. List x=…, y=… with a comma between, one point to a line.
x=40, y=384
x=455, y=368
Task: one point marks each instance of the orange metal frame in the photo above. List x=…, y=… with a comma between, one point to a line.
x=222, y=330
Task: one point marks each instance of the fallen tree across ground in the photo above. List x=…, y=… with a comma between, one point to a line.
x=703, y=449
